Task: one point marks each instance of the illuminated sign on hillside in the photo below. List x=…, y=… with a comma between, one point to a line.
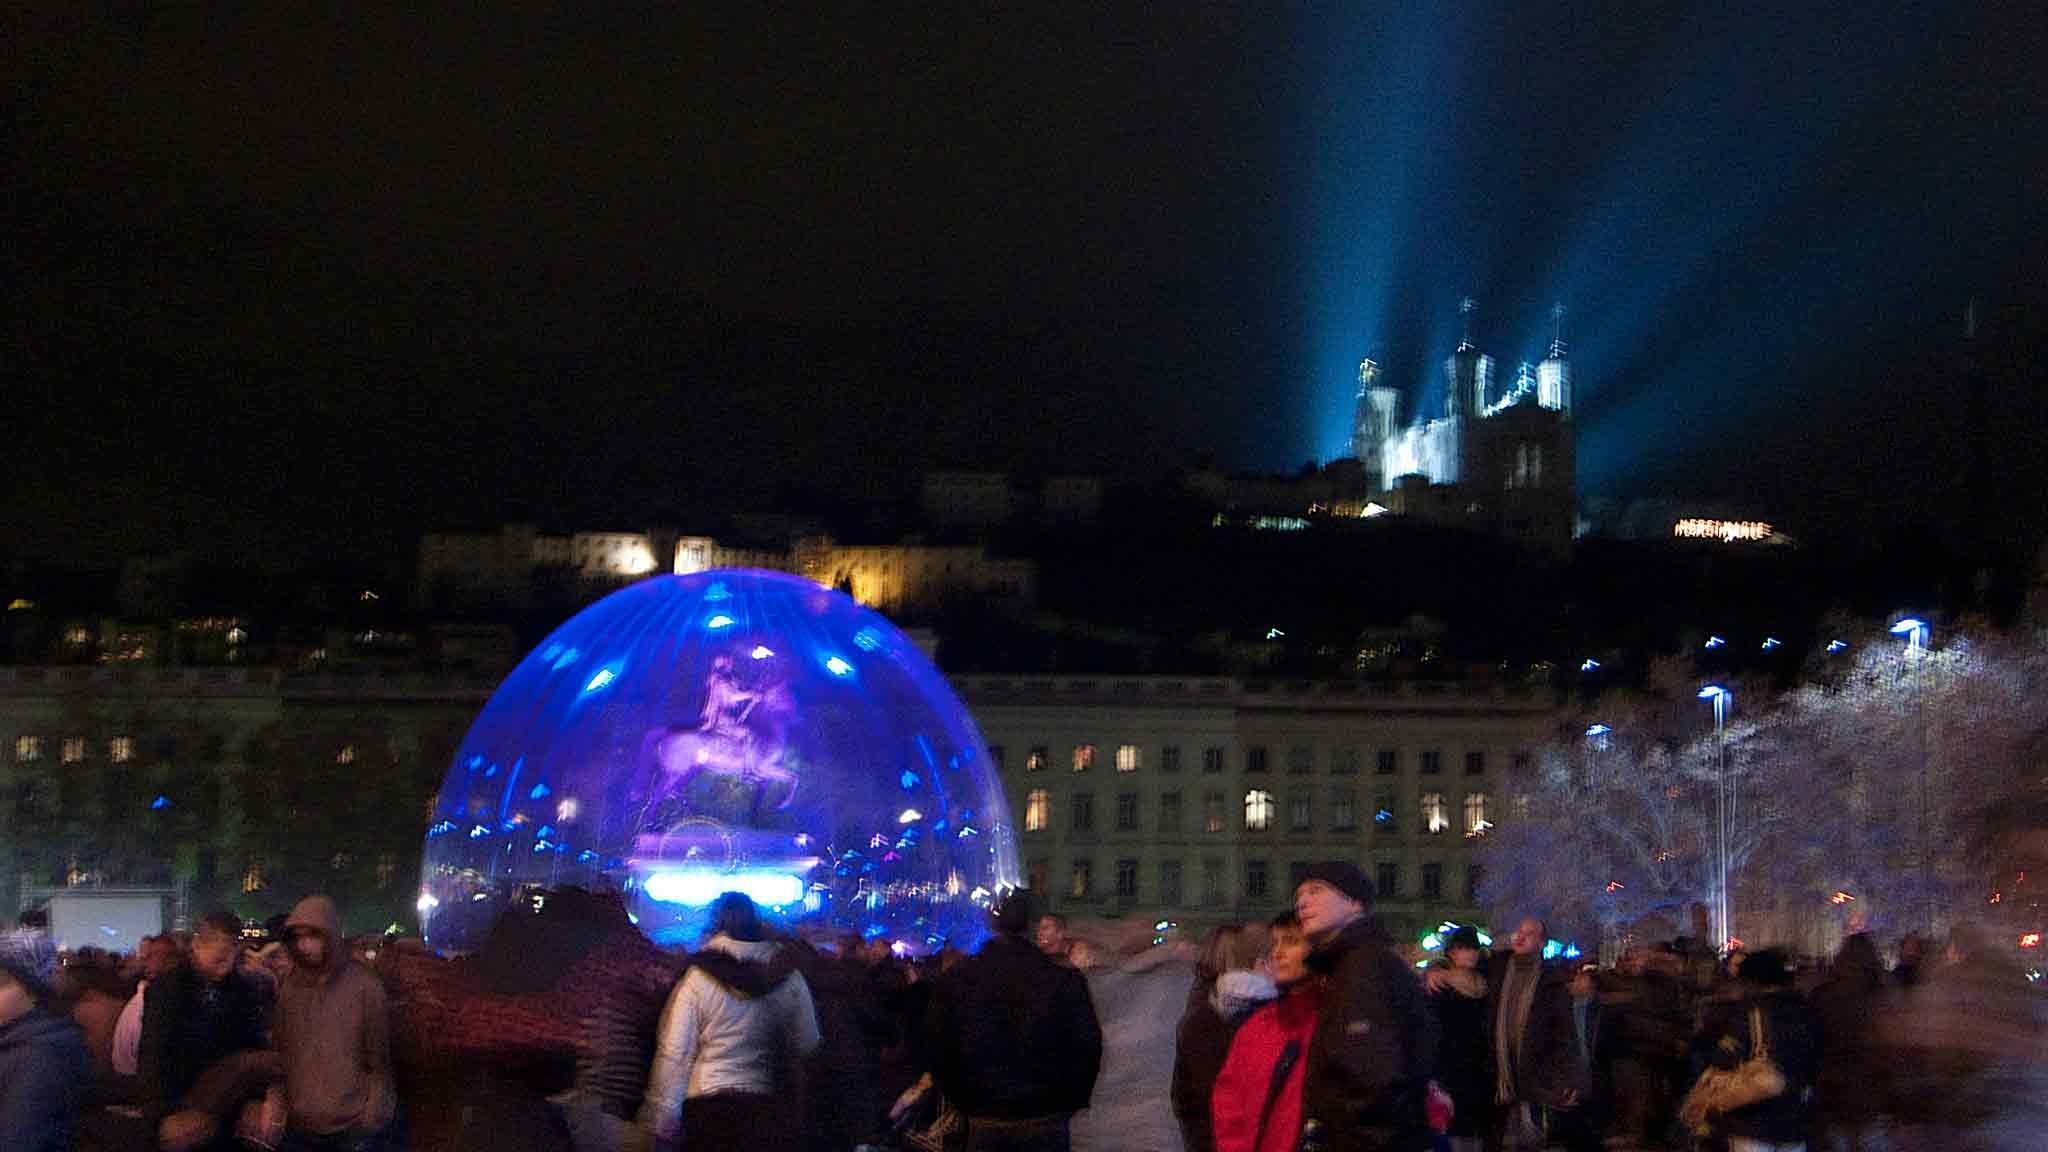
x=1726, y=531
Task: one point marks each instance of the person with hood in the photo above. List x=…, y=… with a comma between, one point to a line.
x=1226, y=990
x=204, y=1026
x=737, y=1028
x=1457, y=998
x=44, y=1067
x=1256, y=1105
x=1013, y=1039
x=332, y=1033
x=1370, y=1059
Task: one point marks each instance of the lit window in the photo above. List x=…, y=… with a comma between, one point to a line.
x=1476, y=822
x=1434, y=818
x=28, y=749
x=1038, y=810
x=73, y=750
x=121, y=749
x=1084, y=757
x=1127, y=758
x=347, y=755
x=1258, y=810
x=1080, y=879
x=1212, y=812
x=252, y=879
x=1038, y=759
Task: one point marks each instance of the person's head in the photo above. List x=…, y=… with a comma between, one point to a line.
x=1287, y=949
x=313, y=936
x=216, y=942
x=1529, y=936
x=1081, y=954
x=734, y=916
x=1230, y=948
x=28, y=971
x=1462, y=949
x=1018, y=914
x=1585, y=981
x=1052, y=934
x=1768, y=968
x=1331, y=897
x=158, y=955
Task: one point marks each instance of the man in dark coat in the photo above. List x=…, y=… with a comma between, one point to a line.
x=204, y=1017
x=44, y=1069
x=1014, y=1041
x=1537, y=1062
x=1370, y=1059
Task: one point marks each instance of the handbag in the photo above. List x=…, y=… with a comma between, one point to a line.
x=1720, y=1091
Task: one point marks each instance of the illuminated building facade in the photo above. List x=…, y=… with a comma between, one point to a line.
x=1503, y=459
x=1201, y=799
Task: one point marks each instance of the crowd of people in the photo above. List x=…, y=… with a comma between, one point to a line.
x=570, y=1031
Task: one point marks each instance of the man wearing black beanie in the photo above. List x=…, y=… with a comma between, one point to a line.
x=1372, y=1054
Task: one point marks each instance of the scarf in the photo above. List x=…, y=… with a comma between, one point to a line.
x=1517, y=993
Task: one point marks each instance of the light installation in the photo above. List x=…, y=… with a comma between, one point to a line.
x=729, y=730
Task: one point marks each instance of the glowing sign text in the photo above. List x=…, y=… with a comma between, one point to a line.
x=1726, y=531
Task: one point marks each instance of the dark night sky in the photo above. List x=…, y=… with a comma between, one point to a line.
x=363, y=273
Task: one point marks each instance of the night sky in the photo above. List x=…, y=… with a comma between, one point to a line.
x=345, y=276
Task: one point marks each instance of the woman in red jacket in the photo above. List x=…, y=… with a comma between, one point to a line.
x=1256, y=1105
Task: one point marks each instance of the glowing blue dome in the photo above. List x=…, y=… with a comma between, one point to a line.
x=727, y=731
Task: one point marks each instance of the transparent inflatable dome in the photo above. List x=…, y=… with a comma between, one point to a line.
x=726, y=731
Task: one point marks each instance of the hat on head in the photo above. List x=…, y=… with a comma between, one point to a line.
x=30, y=957
x=1342, y=875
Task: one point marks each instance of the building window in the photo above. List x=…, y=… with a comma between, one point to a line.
x=1432, y=881
x=1255, y=880
x=1432, y=762
x=1169, y=758
x=1127, y=812
x=1081, y=878
x=1474, y=874
x=1475, y=763
x=1434, y=818
x=1037, y=759
x=1383, y=816
x=1344, y=762
x=1343, y=810
x=73, y=750
x=1169, y=813
x=1037, y=810
x=1038, y=875
x=1084, y=757
x=1212, y=760
x=1127, y=758
x=28, y=749
x=252, y=877
x=1084, y=812
x=1213, y=893
x=1258, y=810
x=1298, y=811
x=1388, y=762
x=1212, y=812
x=347, y=755
x=1127, y=881
x=995, y=757
x=387, y=866
x=1476, y=822
x=1387, y=880
x=1301, y=759
x=121, y=749
x=1169, y=883
x=1521, y=762
x=1255, y=758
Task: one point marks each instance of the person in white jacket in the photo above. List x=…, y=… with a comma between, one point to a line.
x=732, y=1038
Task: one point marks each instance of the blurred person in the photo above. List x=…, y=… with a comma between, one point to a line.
x=197, y=1020
x=735, y=1028
x=1583, y=1128
x=155, y=956
x=1013, y=1039
x=332, y=1034
x=1912, y=953
x=1369, y=1061
x=1051, y=934
x=44, y=1067
x=1256, y=1105
x=1967, y=1052
x=98, y=995
x=842, y=1074
x=1457, y=1000
x=613, y=993
x=1771, y=1010
x=1537, y=1065
x=1849, y=1090
x=1226, y=989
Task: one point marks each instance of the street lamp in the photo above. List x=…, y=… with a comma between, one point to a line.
x=1915, y=632
x=1723, y=810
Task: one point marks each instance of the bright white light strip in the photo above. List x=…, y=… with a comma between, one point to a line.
x=698, y=887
